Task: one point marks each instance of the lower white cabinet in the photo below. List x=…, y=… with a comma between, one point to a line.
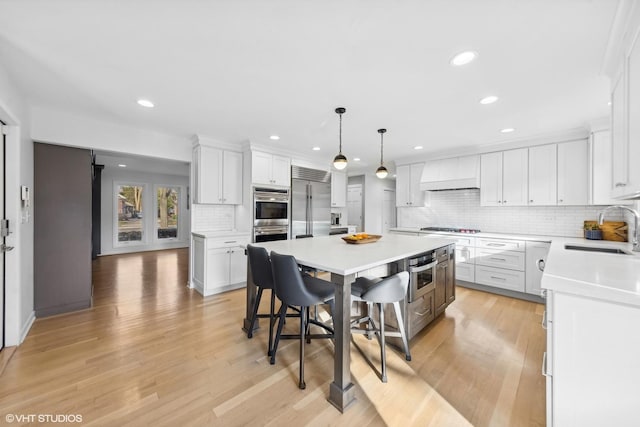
x=500, y=278
x=536, y=258
x=218, y=264
x=591, y=362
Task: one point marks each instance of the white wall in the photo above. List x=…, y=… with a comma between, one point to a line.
x=110, y=176
x=58, y=127
x=19, y=314
x=461, y=208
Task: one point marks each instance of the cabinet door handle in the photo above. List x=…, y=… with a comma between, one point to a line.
x=504, y=201
x=530, y=201
x=497, y=278
x=560, y=201
x=621, y=184
x=496, y=244
x=232, y=241
x=544, y=319
x=424, y=313
x=499, y=201
x=544, y=363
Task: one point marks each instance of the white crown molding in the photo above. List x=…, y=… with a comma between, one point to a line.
x=623, y=31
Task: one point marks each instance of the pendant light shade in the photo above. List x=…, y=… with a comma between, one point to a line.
x=381, y=172
x=340, y=161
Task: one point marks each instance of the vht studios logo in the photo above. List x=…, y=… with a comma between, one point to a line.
x=43, y=418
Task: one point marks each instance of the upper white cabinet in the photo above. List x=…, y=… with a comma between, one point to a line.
x=217, y=176
x=601, y=169
x=270, y=169
x=543, y=175
x=408, y=191
x=623, y=67
x=503, y=178
x=338, y=189
x=573, y=173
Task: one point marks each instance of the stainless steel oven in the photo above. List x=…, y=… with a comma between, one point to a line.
x=270, y=207
x=270, y=233
x=422, y=273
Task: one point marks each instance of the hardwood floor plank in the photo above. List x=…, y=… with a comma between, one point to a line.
x=153, y=352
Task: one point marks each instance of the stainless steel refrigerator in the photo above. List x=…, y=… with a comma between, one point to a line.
x=310, y=202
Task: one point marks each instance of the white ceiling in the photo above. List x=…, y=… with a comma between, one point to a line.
x=244, y=70
x=112, y=160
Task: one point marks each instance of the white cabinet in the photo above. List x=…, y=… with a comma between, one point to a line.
x=632, y=188
x=218, y=264
x=573, y=173
x=338, y=189
x=452, y=173
x=500, y=263
x=543, y=175
x=503, y=178
x=602, y=169
x=465, y=259
x=408, y=191
x=536, y=258
x=270, y=169
x=591, y=362
x=217, y=176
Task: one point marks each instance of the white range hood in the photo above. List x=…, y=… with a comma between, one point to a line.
x=451, y=174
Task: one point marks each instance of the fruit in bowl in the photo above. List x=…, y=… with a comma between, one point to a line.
x=358, y=236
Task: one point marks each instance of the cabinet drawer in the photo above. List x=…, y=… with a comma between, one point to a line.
x=502, y=259
x=465, y=241
x=228, y=242
x=465, y=271
x=464, y=254
x=500, y=278
x=420, y=312
x=502, y=244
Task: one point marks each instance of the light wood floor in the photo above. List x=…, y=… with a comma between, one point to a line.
x=153, y=352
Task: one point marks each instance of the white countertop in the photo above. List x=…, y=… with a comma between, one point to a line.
x=529, y=237
x=609, y=277
x=221, y=234
x=331, y=253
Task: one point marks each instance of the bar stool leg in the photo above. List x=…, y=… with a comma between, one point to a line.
x=383, y=353
x=405, y=342
x=255, y=313
x=283, y=313
x=303, y=316
x=272, y=319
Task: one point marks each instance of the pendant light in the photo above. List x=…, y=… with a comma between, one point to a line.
x=381, y=172
x=340, y=161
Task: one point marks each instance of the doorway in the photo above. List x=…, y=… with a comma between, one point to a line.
x=388, y=210
x=354, y=206
x=3, y=242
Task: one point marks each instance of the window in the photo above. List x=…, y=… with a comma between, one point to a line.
x=168, y=201
x=129, y=212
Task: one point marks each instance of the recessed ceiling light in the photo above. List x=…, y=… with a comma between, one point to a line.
x=463, y=58
x=507, y=130
x=609, y=103
x=121, y=165
x=356, y=159
x=274, y=137
x=488, y=100
x=145, y=103
x=316, y=148
x=418, y=147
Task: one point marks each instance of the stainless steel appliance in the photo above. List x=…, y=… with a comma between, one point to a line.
x=451, y=229
x=270, y=214
x=270, y=207
x=310, y=202
x=422, y=273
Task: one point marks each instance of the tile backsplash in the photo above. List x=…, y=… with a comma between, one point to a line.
x=213, y=218
x=461, y=208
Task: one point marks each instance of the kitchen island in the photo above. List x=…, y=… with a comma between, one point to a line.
x=344, y=261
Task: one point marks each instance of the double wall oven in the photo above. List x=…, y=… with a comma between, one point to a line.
x=270, y=214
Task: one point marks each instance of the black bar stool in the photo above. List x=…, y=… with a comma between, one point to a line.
x=260, y=265
x=390, y=290
x=294, y=288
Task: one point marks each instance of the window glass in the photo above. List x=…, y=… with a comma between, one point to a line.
x=167, y=219
x=130, y=214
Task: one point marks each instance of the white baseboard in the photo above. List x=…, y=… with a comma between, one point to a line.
x=27, y=327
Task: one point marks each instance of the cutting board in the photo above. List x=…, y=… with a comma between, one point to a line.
x=612, y=230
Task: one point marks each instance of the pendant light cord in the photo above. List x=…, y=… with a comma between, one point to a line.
x=340, y=135
x=381, y=148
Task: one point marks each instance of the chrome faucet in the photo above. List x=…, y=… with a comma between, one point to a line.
x=636, y=216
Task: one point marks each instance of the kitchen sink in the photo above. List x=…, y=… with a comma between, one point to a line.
x=597, y=249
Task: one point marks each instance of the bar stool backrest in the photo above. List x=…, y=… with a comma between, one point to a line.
x=388, y=290
x=260, y=266
x=290, y=287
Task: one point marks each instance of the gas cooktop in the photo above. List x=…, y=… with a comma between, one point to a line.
x=451, y=229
